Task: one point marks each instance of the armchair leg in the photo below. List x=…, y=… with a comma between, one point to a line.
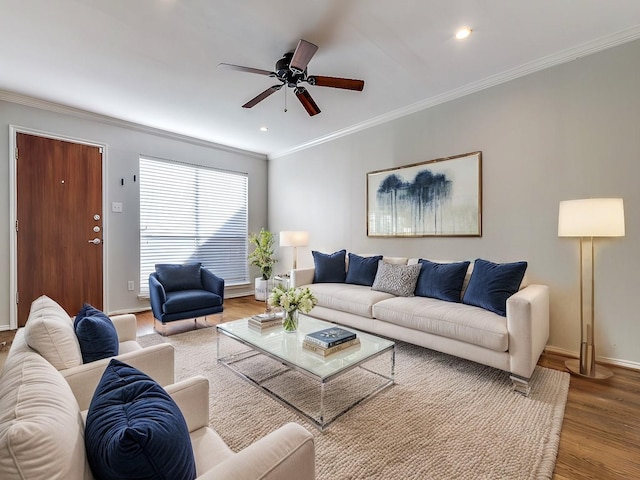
x=161, y=332
x=206, y=324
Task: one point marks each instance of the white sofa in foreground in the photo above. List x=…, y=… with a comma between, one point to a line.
x=42, y=430
x=49, y=331
x=43, y=409
x=512, y=343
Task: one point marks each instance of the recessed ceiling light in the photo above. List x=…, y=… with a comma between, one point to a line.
x=463, y=33
x=264, y=129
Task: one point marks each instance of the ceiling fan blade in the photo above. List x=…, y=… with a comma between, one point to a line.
x=335, y=82
x=247, y=69
x=304, y=51
x=306, y=101
x=254, y=101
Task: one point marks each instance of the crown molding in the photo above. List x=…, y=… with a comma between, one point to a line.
x=549, y=61
x=49, y=106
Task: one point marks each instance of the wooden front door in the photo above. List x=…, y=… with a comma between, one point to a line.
x=59, y=223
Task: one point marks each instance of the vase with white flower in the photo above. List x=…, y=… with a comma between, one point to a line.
x=292, y=301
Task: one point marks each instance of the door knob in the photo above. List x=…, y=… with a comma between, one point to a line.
x=96, y=241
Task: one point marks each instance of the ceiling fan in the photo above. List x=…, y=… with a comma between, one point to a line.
x=291, y=70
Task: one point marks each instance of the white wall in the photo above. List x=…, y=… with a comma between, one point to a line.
x=124, y=146
x=571, y=131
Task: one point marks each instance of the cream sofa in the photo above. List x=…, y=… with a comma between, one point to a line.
x=46, y=390
x=49, y=331
x=512, y=343
x=43, y=410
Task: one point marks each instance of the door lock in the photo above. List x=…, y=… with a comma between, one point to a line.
x=96, y=241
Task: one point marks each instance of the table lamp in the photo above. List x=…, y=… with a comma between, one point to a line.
x=295, y=240
x=589, y=218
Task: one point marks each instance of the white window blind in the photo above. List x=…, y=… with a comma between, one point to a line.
x=190, y=213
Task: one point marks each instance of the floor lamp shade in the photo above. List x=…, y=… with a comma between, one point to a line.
x=591, y=217
x=586, y=219
x=294, y=239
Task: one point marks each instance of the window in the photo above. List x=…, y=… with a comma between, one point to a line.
x=190, y=213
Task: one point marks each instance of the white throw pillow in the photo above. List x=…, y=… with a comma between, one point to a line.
x=41, y=428
x=49, y=331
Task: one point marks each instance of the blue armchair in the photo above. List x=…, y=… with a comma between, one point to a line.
x=184, y=291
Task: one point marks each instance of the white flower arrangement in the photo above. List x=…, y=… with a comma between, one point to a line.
x=292, y=299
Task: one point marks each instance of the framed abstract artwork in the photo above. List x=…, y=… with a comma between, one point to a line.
x=441, y=197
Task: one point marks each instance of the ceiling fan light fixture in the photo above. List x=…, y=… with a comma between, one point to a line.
x=291, y=71
x=463, y=33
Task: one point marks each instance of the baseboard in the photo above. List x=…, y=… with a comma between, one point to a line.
x=128, y=310
x=606, y=360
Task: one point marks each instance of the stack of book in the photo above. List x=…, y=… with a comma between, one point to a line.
x=265, y=321
x=330, y=340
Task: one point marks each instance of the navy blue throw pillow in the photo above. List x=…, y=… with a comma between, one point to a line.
x=175, y=277
x=492, y=283
x=441, y=280
x=330, y=268
x=134, y=429
x=96, y=334
x=362, y=270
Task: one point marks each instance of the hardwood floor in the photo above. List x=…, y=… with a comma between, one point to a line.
x=600, y=438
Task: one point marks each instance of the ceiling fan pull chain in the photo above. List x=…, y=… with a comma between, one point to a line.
x=285, y=100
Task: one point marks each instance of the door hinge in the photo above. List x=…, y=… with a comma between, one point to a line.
x=17, y=297
x=16, y=225
x=16, y=153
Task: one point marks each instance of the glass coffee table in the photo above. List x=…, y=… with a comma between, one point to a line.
x=316, y=387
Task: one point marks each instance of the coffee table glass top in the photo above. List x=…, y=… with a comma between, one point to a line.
x=288, y=346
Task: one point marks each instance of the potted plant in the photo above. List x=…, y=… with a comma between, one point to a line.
x=263, y=258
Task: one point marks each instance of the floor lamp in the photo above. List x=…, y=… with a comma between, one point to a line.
x=589, y=218
x=295, y=240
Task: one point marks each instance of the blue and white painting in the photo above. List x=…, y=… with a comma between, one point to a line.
x=437, y=198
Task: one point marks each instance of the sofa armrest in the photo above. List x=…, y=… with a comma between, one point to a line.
x=192, y=397
x=287, y=453
x=156, y=361
x=126, y=327
x=212, y=283
x=302, y=276
x=528, y=326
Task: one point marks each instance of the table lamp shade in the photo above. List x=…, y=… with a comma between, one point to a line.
x=591, y=217
x=294, y=239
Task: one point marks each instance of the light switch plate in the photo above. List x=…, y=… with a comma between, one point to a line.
x=116, y=207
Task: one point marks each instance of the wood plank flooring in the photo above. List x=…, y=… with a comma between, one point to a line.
x=600, y=438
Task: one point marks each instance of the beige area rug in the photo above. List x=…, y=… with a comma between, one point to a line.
x=445, y=418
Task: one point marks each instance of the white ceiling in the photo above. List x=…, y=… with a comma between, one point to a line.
x=153, y=62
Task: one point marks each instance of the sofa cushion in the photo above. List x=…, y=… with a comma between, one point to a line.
x=135, y=430
x=96, y=334
x=441, y=280
x=329, y=268
x=362, y=270
x=179, y=276
x=458, y=321
x=185, y=300
x=344, y=297
x=492, y=283
x=396, y=279
x=41, y=429
x=49, y=331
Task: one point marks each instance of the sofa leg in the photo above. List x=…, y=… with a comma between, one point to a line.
x=521, y=385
